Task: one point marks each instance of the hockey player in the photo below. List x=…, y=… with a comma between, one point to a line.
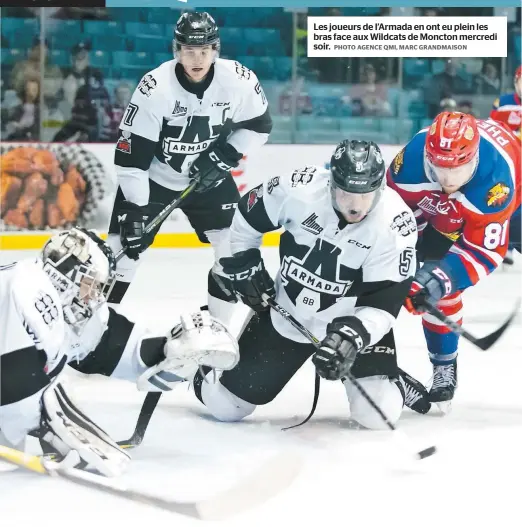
x=461, y=177
x=347, y=258
x=53, y=311
x=507, y=108
x=194, y=116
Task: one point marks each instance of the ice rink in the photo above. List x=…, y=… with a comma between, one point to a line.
x=348, y=477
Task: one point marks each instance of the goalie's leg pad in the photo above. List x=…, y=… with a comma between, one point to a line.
x=221, y=403
x=386, y=395
x=66, y=428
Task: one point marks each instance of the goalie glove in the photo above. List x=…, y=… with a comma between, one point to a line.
x=72, y=434
x=198, y=340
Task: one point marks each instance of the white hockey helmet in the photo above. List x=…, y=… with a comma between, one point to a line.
x=81, y=266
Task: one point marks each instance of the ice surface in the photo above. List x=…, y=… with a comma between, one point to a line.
x=351, y=476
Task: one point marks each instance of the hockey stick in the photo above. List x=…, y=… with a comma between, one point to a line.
x=147, y=409
x=164, y=213
x=315, y=341
x=270, y=479
x=483, y=343
x=152, y=398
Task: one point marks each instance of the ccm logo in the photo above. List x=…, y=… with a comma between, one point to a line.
x=229, y=206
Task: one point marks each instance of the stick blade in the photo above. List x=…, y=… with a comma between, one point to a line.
x=486, y=342
x=272, y=478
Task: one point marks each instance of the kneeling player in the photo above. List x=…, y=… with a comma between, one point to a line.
x=347, y=260
x=54, y=312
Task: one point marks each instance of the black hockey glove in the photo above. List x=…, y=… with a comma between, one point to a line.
x=250, y=279
x=132, y=220
x=345, y=337
x=213, y=165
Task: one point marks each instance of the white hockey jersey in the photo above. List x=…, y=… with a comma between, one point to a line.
x=36, y=343
x=31, y=340
x=329, y=268
x=170, y=121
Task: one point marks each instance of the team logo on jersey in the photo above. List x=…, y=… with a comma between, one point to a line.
x=398, y=162
x=293, y=269
x=498, y=195
x=311, y=225
x=242, y=71
x=403, y=223
x=429, y=205
x=253, y=197
x=272, y=184
x=124, y=142
x=303, y=176
x=179, y=111
x=147, y=85
x=316, y=269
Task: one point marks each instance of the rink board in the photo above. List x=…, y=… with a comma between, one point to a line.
x=95, y=162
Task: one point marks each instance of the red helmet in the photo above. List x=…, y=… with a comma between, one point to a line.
x=452, y=140
x=518, y=73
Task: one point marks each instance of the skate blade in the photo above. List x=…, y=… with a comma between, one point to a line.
x=444, y=407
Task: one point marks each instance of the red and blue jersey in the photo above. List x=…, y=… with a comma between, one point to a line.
x=508, y=110
x=476, y=217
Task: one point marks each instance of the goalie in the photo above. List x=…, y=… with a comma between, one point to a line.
x=54, y=312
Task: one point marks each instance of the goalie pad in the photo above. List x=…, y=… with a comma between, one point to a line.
x=76, y=437
x=199, y=340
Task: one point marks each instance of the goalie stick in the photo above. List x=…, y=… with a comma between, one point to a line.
x=424, y=453
x=273, y=477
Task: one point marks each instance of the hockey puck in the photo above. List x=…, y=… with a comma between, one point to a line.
x=427, y=452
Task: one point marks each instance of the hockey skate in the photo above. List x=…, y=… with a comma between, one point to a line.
x=443, y=386
x=416, y=396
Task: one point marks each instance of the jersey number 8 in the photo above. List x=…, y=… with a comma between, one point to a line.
x=495, y=234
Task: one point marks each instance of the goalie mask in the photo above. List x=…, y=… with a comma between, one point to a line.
x=81, y=267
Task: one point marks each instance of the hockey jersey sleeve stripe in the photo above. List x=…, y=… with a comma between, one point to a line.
x=492, y=258
x=255, y=214
x=465, y=271
x=385, y=295
x=503, y=153
x=510, y=108
x=262, y=124
x=138, y=153
x=107, y=354
x=22, y=374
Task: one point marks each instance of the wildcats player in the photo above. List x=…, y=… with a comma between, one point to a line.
x=507, y=108
x=461, y=178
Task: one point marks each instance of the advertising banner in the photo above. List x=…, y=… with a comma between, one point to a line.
x=49, y=186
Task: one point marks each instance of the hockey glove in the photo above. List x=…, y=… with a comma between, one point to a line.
x=213, y=165
x=430, y=284
x=345, y=337
x=198, y=340
x=132, y=220
x=250, y=279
